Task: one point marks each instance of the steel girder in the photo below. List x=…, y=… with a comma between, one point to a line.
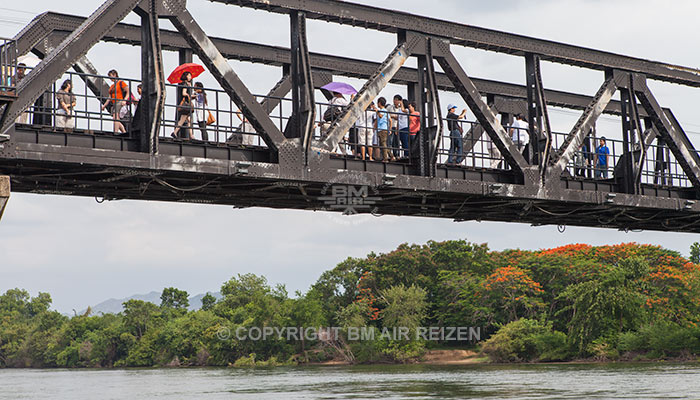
x=471, y=36
x=66, y=53
x=280, y=56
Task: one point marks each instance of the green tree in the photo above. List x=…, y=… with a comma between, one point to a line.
x=338, y=287
x=403, y=306
x=208, y=302
x=607, y=304
x=174, y=298
x=138, y=316
x=695, y=253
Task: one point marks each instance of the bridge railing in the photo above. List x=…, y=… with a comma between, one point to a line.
x=482, y=153
x=8, y=65
x=229, y=127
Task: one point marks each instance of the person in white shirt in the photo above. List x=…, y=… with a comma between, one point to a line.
x=199, y=102
x=519, y=132
x=365, y=131
x=246, y=133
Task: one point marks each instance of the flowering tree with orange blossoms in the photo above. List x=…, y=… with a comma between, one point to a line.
x=366, y=297
x=512, y=290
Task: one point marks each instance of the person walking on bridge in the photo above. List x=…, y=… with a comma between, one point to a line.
x=118, y=93
x=66, y=103
x=602, y=159
x=184, y=107
x=455, y=156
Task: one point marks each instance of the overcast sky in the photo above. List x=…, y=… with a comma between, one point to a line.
x=83, y=252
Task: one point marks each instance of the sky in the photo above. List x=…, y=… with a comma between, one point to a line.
x=82, y=252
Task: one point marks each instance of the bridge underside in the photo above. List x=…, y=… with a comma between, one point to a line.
x=50, y=162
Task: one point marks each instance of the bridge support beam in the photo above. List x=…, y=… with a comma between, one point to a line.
x=4, y=192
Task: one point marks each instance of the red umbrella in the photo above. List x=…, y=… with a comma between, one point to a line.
x=194, y=69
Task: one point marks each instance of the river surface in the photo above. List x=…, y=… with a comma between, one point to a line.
x=567, y=381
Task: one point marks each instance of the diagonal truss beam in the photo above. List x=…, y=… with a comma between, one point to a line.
x=481, y=110
x=364, y=97
x=228, y=79
x=670, y=130
x=574, y=140
x=274, y=96
x=65, y=54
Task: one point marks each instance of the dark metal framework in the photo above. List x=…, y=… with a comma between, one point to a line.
x=294, y=170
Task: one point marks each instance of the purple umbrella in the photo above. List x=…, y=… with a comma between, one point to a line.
x=339, y=87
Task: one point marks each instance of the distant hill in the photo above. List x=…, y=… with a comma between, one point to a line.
x=114, y=306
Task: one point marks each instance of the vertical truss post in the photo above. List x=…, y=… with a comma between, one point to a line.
x=185, y=56
x=150, y=108
x=301, y=123
x=435, y=113
x=625, y=170
x=425, y=141
x=534, y=119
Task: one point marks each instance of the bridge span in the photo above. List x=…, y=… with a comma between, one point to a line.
x=278, y=150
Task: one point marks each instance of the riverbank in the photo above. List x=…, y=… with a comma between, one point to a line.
x=431, y=357
x=468, y=357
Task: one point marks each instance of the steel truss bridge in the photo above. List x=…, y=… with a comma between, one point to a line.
x=654, y=186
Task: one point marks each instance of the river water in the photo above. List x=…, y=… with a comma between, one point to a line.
x=564, y=381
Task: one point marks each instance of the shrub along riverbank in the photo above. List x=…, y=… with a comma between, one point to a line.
x=623, y=302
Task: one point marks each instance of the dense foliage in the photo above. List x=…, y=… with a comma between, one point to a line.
x=625, y=301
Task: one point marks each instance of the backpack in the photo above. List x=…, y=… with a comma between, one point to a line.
x=332, y=113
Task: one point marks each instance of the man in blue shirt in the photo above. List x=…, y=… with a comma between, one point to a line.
x=602, y=160
x=383, y=124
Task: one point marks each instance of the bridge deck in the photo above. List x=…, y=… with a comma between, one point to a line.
x=103, y=166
